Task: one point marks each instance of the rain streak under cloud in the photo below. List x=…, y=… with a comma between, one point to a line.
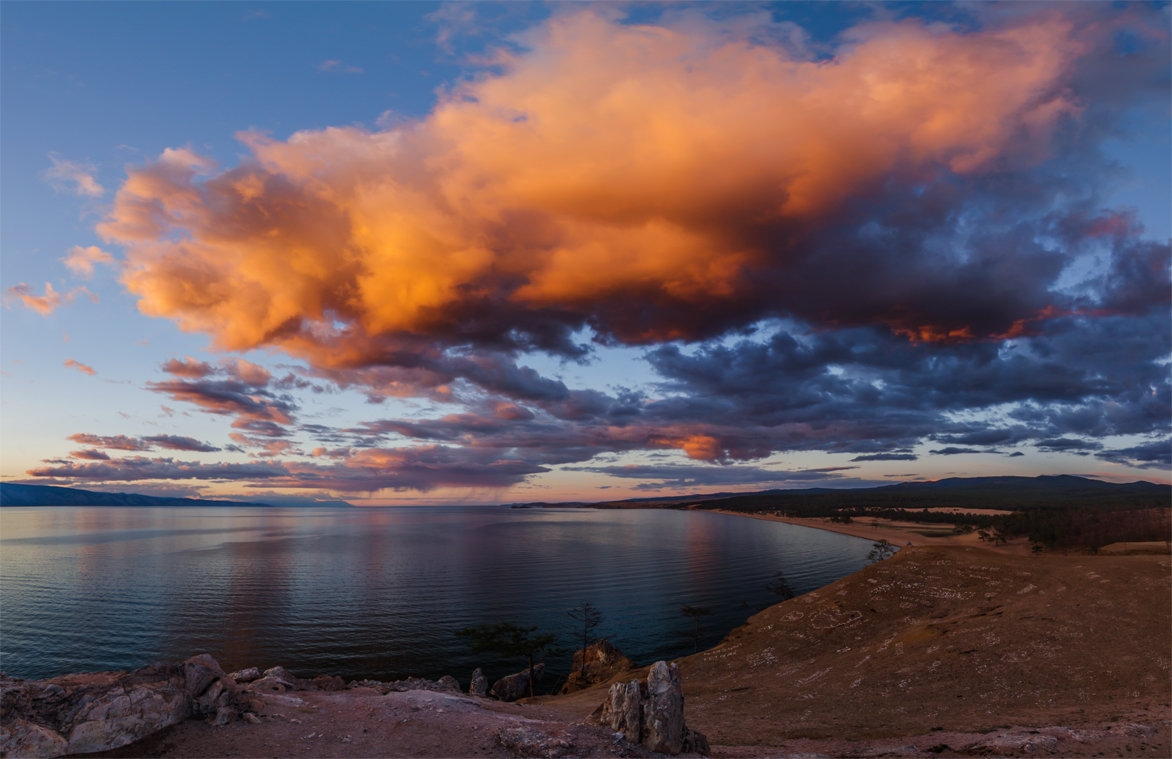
x=894, y=246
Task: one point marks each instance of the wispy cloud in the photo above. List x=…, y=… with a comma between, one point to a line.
x=72, y=364
x=337, y=66
x=46, y=303
x=43, y=304
x=73, y=176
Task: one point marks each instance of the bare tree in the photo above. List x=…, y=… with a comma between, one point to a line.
x=590, y=617
x=696, y=613
x=510, y=640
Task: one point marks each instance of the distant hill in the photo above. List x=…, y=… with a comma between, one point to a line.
x=12, y=494
x=1045, y=491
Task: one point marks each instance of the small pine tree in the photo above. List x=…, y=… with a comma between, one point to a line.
x=779, y=587
x=509, y=640
x=590, y=618
x=696, y=613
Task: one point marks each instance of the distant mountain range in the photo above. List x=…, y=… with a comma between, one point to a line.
x=968, y=492
x=13, y=494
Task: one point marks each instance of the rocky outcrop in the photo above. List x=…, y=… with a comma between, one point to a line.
x=479, y=686
x=245, y=675
x=275, y=680
x=446, y=684
x=327, y=682
x=602, y=662
x=80, y=714
x=651, y=713
x=515, y=686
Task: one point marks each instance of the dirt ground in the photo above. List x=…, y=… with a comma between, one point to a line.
x=363, y=723
x=947, y=649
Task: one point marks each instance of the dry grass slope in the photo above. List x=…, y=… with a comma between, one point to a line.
x=952, y=638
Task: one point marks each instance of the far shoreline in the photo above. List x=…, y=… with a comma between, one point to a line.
x=900, y=534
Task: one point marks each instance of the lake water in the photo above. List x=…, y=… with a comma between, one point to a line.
x=379, y=592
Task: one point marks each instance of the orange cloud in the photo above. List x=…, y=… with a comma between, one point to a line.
x=638, y=179
x=80, y=367
x=72, y=176
x=48, y=302
x=42, y=304
x=81, y=260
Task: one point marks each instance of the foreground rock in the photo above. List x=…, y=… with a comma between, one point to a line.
x=479, y=684
x=79, y=714
x=515, y=686
x=651, y=713
x=602, y=662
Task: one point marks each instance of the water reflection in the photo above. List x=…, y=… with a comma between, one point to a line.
x=377, y=592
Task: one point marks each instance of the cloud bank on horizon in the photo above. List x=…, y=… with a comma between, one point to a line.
x=899, y=240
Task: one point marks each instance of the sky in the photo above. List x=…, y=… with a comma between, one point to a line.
x=416, y=253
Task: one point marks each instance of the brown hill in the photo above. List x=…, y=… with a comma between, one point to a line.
x=943, y=639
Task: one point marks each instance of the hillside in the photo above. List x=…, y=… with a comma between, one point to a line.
x=939, y=641
x=12, y=494
x=1062, y=491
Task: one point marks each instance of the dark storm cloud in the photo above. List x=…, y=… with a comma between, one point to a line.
x=1157, y=454
x=676, y=476
x=141, y=468
x=421, y=468
x=1067, y=444
x=179, y=443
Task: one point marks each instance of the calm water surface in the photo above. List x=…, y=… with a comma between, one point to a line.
x=378, y=592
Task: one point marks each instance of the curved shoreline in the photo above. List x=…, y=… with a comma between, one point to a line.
x=901, y=534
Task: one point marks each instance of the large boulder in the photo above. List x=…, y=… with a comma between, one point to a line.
x=515, y=686
x=602, y=662
x=663, y=710
x=81, y=714
x=651, y=713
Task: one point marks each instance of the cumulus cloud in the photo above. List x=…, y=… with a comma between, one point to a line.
x=81, y=260
x=75, y=177
x=722, y=161
x=894, y=239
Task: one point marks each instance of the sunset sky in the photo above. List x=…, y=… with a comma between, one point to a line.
x=465, y=253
